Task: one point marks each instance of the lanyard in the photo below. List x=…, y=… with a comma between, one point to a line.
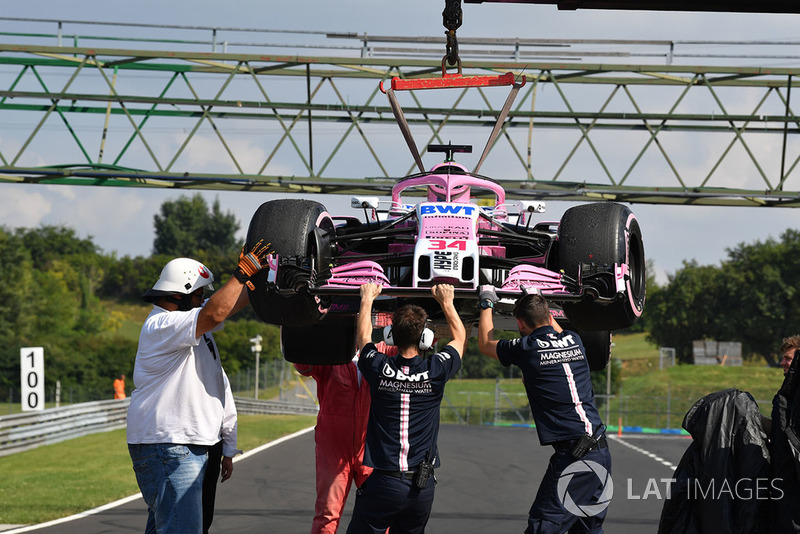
x=210, y=346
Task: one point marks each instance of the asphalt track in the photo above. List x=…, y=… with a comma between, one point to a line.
x=487, y=482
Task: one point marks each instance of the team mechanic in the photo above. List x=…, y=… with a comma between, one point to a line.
x=556, y=376
x=403, y=425
x=177, y=410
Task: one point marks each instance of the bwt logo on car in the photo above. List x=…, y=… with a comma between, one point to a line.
x=562, y=343
x=388, y=372
x=444, y=208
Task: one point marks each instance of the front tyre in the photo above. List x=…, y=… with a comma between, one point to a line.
x=595, y=237
x=300, y=232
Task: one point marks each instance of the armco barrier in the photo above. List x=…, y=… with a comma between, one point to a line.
x=24, y=431
x=259, y=407
x=20, y=432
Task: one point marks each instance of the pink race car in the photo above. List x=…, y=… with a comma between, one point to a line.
x=459, y=230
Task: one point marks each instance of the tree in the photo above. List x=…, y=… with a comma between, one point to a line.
x=235, y=348
x=129, y=278
x=16, y=281
x=765, y=283
x=46, y=243
x=186, y=227
x=690, y=307
x=751, y=297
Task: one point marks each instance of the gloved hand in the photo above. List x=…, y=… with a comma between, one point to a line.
x=252, y=262
x=487, y=296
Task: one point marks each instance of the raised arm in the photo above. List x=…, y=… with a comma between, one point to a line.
x=443, y=293
x=232, y=297
x=222, y=304
x=364, y=323
x=486, y=342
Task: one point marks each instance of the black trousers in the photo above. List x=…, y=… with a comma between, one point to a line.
x=385, y=502
x=213, y=468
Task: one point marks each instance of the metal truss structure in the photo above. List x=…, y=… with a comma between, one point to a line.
x=282, y=123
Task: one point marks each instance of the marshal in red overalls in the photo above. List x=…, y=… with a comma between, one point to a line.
x=339, y=435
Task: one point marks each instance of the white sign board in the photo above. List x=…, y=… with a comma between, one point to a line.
x=32, y=378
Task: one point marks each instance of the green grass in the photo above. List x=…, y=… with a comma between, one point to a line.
x=647, y=395
x=693, y=382
x=75, y=475
x=475, y=401
x=632, y=347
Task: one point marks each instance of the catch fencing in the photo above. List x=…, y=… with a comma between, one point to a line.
x=508, y=405
x=274, y=379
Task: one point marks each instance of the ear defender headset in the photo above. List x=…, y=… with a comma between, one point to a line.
x=425, y=341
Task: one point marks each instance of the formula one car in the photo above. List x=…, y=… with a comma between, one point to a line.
x=590, y=265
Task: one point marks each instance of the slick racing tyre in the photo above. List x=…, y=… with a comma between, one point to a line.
x=598, y=348
x=597, y=344
x=330, y=342
x=300, y=232
x=592, y=238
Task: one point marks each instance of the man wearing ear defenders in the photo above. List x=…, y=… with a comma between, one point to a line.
x=559, y=388
x=403, y=426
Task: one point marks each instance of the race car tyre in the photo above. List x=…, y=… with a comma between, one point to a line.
x=596, y=344
x=331, y=342
x=603, y=234
x=598, y=349
x=300, y=233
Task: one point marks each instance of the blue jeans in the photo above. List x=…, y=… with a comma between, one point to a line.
x=170, y=478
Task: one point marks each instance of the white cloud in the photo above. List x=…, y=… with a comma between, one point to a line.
x=23, y=206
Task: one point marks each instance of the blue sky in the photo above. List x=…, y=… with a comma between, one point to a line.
x=121, y=220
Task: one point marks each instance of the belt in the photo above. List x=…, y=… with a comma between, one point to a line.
x=569, y=443
x=397, y=474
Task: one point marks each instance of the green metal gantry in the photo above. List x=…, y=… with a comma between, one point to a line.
x=282, y=123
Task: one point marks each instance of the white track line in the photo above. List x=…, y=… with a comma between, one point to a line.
x=126, y=500
x=643, y=451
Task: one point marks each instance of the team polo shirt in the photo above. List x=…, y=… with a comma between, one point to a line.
x=557, y=380
x=404, y=412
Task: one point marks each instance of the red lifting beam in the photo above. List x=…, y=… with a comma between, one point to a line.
x=453, y=81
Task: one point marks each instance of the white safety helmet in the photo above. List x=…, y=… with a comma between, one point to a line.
x=181, y=275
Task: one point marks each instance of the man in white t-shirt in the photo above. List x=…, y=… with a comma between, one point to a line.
x=178, y=407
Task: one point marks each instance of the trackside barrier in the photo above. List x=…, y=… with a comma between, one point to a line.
x=612, y=429
x=25, y=431
x=259, y=407
x=629, y=414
